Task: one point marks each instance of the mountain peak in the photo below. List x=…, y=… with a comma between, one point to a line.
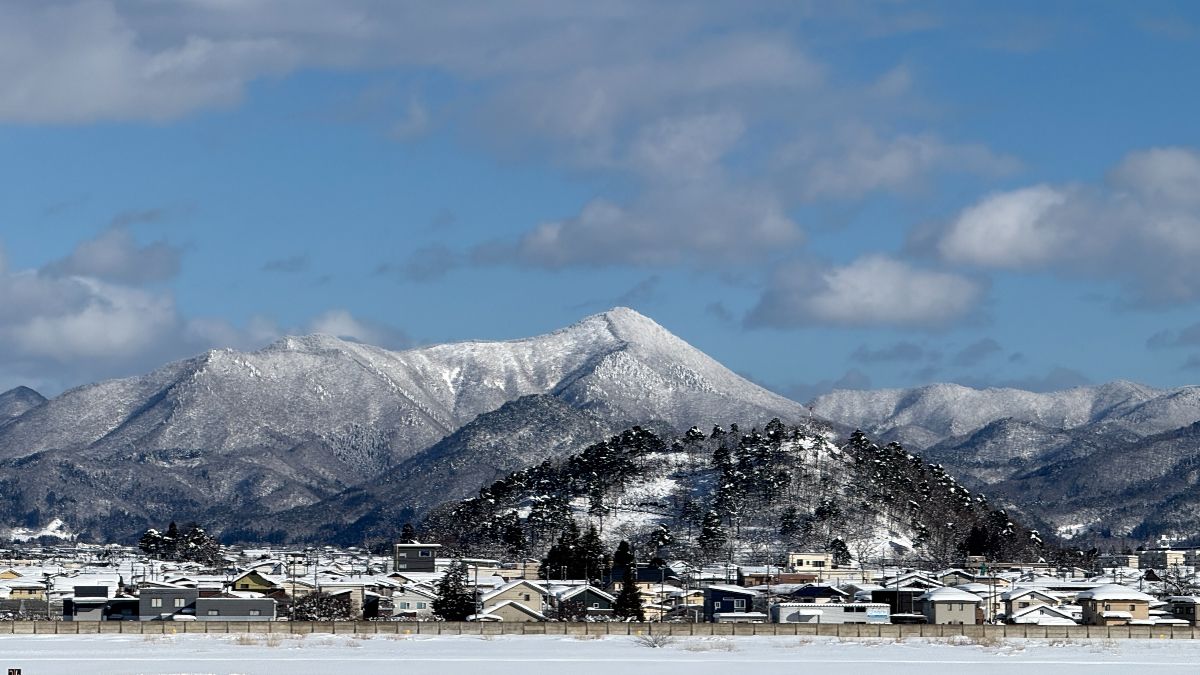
x=16, y=401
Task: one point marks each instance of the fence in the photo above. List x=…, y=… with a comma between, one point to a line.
x=601, y=628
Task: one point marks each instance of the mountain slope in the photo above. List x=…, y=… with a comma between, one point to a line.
x=936, y=412
x=352, y=411
x=299, y=389
x=17, y=402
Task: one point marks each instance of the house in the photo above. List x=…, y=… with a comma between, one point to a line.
x=810, y=562
x=164, y=602
x=92, y=603
x=818, y=593
x=414, y=557
x=1160, y=559
x=1111, y=560
x=720, y=599
x=1042, y=615
x=1186, y=607
x=257, y=582
x=830, y=612
x=508, y=610
x=591, y=600
x=901, y=600
x=1023, y=598
x=235, y=609
x=1114, y=605
x=949, y=605
x=412, y=602
x=955, y=577
x=528, y=594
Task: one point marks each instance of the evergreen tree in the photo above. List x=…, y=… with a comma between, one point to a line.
x=152, y=543
x=513, y=537
x=839, y=551
x=712, y=538
x=322, y=607
x=628, y=604
x=408, y=535
x=455, y=602
x=592, y=555
x=623, y=558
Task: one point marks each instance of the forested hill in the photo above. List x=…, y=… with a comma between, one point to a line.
x=752, y=496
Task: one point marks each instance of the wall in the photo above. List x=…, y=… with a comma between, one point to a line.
x=986, y=632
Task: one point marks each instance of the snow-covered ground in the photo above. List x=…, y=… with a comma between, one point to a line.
x=525, y=655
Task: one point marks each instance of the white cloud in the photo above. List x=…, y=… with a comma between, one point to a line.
x=872, y=291
x=1141, y=227
x=1010, y=229
x=58, y=330
x=691, y=224
x=84, y=61
x=114, y=255
x=108, y=321
x=856, y=161
x=342, y=324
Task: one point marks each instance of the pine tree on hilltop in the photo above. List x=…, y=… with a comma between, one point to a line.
x=455, y=602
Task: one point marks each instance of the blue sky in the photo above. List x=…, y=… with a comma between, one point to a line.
x=816, y=194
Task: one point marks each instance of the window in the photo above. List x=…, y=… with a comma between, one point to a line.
x=422, y=605
x=595, y=605
x=156, y=602
x=405, y=605
x=1022, y=605
x=1131, y=608
x=256, y=612
x=402, y=554
x=717, y=604
x=426, y=553
x=818, y=563
x=739, y=604
x=1107, y=607
x=213, y=612
x=244, y=587
x=527, y=597
x=180, y=602
x=401, y=566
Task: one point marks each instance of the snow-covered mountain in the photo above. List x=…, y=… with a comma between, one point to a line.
x=1116, y=459
x=17, y=402
x=237, y=423
x=619, y=364
x=923, y=416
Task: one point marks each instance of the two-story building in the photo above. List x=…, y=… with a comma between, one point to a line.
x=1114, y=605
x=949, y=605
x=721, y=601
x=414, y=557
x=165, y=602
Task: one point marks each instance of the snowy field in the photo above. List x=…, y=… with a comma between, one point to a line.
x=530, y=655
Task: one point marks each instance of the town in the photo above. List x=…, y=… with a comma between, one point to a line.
x=100, y=583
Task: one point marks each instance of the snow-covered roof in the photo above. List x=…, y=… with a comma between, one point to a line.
x=1015, y=593
x=569, y=593
x=733, y=589
x=948, y=594
x=520, y=582
x=513, y=603
x=1114, y=592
